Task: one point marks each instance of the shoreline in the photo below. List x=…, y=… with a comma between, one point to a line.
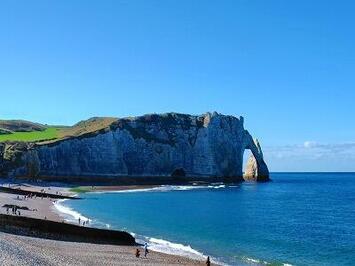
x=47, y=209
x=154, y=244
x=157, y=245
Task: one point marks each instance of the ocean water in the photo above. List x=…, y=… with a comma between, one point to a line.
x=297, y=219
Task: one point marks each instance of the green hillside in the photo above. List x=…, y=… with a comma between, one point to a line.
x=32, y=136
x=20, y=130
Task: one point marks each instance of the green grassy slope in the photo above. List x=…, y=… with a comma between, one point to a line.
x=48, y=133
x=20, y=130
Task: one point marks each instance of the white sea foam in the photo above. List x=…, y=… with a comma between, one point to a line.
x=168, y=247
x=261, y=262
x=164, y=188
x=173, y=248
x=69, y=214
x=255, y=261
x=217, y=187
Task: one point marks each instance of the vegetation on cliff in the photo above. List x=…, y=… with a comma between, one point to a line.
x=49, y=133
x=25, y=131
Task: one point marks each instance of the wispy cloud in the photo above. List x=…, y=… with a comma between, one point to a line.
x=312, y=154
x=312, y=150
x=309, y=144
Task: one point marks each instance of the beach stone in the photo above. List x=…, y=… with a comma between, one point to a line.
x=171, y=145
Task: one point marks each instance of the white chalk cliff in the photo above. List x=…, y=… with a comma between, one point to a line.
x=157, y=147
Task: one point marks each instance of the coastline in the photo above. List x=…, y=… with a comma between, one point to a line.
x=50, y=209
x=157, y=245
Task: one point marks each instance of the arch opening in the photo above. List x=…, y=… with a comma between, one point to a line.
x=254, y=166
x=246, y=154
x=251, y=166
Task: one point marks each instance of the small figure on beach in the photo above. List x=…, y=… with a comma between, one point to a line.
x=146, y=251
x=208, y=262
x=137, y=253
x=79, y=220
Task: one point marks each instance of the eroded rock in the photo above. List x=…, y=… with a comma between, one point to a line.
x=208, y=146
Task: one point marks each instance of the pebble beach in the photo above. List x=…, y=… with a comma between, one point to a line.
x=16, y=249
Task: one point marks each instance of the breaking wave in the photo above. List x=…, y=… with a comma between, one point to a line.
x=167, y=247
x=165, y=188
x=154, y=244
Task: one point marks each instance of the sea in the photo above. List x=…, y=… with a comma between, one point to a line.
x=296, y=219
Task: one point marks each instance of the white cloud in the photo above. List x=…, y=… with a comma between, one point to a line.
x=309, y=144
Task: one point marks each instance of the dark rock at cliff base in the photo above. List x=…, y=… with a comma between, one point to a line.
x=185, y=147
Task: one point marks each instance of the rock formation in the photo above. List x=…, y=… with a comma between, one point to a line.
x=152, y=148
x=256, y=169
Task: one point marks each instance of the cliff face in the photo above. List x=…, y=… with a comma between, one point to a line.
x=209, y=146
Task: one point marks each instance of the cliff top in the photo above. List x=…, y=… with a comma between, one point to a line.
x=25, y=131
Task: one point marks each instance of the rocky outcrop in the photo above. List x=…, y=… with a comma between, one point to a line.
x=256, y=169
x=164, y=147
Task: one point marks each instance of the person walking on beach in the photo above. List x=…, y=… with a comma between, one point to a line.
x=146, y=251
x=208, y=262
x=79, y=220
x=137, y=253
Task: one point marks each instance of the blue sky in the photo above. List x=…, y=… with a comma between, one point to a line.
x=287, y=66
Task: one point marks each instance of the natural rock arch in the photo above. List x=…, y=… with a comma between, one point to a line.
x=256, y=168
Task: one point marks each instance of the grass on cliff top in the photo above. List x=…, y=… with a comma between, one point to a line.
x=47, y=134
x=52, y=133
x=80, y=189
